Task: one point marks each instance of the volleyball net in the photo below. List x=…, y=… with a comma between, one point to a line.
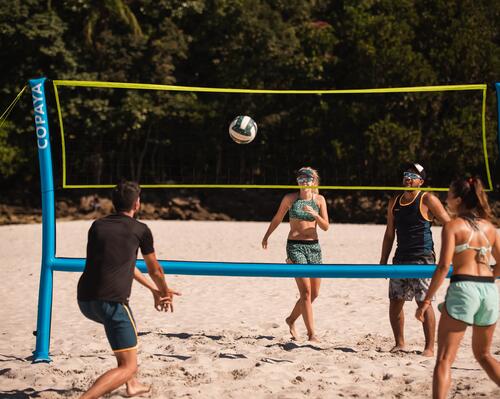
x=176, y=136
x=173, y=137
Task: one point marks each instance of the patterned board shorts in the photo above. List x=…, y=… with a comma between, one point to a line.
x=304, y=251
x=411, y=288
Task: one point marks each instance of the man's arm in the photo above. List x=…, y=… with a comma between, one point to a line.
x=139, y=277
x=390, y=232
x=436, y=208
x=161, y=302
x=155, y=271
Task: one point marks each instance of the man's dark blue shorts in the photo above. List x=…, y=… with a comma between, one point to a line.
x=118, y=322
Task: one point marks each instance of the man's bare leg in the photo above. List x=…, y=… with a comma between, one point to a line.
x=112, y=379
x=397, y=318
x=429, y=325
x=135, y=388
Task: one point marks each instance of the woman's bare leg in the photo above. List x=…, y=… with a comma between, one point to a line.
x=290, y=320
x=450, y=334
x=296, y=312
x=304, y=285
x=315, y=285
x=302, y=307
x=481, y=346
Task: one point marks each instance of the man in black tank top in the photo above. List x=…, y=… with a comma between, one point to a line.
x=409, y=218
x=105, y=285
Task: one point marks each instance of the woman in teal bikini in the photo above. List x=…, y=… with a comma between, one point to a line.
x=472, y=297
x=307, y=210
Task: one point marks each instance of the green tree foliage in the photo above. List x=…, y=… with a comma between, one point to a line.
x=293, y=44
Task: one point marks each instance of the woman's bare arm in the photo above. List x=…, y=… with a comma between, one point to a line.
x=495, y=251
x=278, y=218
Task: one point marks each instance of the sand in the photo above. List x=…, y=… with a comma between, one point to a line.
x=227, y=337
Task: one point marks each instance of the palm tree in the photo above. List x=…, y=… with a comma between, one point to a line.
x=114, y=8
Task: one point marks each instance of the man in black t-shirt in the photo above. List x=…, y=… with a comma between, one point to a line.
x=105, y=285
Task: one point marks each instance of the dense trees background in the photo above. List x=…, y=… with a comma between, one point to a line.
x=292, y=44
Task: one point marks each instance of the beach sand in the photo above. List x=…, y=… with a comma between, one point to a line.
x=227, y=337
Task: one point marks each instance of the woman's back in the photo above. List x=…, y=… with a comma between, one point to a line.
x=474, y=238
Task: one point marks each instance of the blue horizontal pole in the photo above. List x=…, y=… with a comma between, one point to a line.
x=270, y=269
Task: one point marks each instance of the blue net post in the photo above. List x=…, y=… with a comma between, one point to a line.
x=41, y=353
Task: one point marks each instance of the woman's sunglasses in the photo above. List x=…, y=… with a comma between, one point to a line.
x=304, y=179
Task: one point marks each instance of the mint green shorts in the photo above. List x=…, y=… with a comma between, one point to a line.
x=474, y=303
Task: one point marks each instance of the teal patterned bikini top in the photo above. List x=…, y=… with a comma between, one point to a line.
x=296, y=211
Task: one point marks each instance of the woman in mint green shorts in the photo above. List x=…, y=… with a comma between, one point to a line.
x=307, y=210
x=472, y=297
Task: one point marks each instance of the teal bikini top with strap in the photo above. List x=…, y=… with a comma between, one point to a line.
x=482, y=251
x=296, y=210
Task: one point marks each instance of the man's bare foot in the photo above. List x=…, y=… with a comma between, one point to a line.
x=135, y=388
x=291, y=326
x=428, y=353
x=313, y=338
x=398, y=348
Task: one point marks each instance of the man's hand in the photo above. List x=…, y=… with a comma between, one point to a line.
x=169, y=300
x=419, y=314
x=161, y=303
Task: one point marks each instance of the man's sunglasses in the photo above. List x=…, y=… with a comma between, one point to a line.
x=412, y=176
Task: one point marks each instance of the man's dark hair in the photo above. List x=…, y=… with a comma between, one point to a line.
x=125, y=195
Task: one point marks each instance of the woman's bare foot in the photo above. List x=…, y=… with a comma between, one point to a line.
x=313, y=338
x=135, y=388
x=398, y=348
x=291, y=326
x=428, y=353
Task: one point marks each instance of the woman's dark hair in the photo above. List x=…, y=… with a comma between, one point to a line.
x=125, y=194
x=473, y=197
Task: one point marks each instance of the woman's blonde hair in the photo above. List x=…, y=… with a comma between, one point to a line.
x=307, y=170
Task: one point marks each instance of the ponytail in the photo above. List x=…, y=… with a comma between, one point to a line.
x=473, y=196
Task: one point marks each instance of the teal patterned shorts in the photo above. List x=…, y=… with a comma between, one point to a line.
x=304, y=251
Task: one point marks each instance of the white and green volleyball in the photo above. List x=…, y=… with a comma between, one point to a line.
x=243, y=129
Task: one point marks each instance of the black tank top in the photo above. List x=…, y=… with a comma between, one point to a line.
x=413, y=230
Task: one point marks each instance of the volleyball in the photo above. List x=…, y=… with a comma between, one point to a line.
x=243, y=129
